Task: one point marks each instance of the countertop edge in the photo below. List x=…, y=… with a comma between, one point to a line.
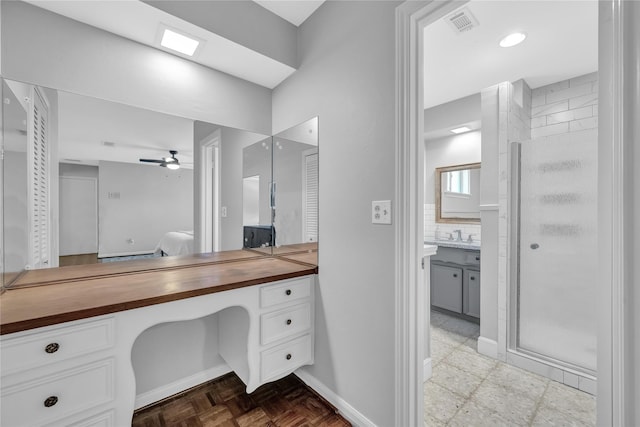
x=72, y=315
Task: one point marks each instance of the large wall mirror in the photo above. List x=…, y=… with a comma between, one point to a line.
x=76, y=191
x=458, y=193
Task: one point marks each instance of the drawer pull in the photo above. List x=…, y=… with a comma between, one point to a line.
x=289, y=356
x=288, y=321
x=288, y=292
x=472, y=278
x=50, y=401
x=52, y=348
x=477, y=258
x=455, y=275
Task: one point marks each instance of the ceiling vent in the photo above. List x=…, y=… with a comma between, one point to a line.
x=462, y=20
x=108, y=143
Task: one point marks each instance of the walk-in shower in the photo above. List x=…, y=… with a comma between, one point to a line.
x=554, y=250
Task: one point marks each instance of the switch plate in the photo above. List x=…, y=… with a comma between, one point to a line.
x=224, y=212
x=381, y=212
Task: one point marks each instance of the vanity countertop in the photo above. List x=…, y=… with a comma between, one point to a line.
x=474, y=246
x=34, y=306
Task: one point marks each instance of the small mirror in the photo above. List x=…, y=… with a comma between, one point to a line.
x=458, y=193
x=295, y=188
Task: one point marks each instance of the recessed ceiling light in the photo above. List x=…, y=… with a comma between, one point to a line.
x=179, y=42
x=512, y=39
x=460, y=129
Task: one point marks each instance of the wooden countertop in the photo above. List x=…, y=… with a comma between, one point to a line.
x=121, y=288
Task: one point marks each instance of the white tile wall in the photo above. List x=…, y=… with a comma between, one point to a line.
x=566, y=106
x=430, y=226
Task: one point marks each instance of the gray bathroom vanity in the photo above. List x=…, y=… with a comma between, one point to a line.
x=455, y=278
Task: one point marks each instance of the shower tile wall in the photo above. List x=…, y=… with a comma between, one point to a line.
x=430, y=226
x=566, y=106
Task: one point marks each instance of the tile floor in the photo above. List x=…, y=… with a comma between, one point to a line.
x=468, y=389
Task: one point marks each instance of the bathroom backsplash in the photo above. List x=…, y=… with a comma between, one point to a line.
x=430, y=226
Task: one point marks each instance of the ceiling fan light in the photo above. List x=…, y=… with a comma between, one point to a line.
x=173, y=166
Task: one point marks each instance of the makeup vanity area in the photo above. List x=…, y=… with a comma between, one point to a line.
x=66, y=345
x=69, y=335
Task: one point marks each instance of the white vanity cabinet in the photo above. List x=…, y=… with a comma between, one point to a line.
x=59, y=375
x=455, y=280
x=80, y=373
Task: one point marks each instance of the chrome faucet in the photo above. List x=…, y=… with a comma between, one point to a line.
x=459, y=239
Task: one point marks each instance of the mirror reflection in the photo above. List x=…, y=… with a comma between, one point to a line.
x=91, y=181
x=295, y=186
x=458, y=193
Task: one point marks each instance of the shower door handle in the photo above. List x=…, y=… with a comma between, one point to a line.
x=534, y=246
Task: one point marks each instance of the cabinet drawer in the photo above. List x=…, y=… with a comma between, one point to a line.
x=54, y=345
x=284, y=323
x=280, y=293
x=285, y=358
x=48, y=399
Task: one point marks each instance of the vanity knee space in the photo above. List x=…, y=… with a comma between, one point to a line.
x=455, y=280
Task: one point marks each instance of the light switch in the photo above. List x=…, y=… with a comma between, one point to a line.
x=224, y=212
x=381, y=212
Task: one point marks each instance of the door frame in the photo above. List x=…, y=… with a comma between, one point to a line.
x=615, y=359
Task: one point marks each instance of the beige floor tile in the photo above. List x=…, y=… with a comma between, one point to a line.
x=547, y=417
x=523, y=382
x=455, y=380
x=473, y=415
x=447, y=337
x=429, y=421
x=471, y=362
x=571, y=401
x=439, y=350
x=439, y=403
x=513, y=407
x=471, y=343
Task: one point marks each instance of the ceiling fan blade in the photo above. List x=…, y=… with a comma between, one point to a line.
x=152, y=160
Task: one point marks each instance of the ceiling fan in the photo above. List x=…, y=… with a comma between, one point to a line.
x=166, y=162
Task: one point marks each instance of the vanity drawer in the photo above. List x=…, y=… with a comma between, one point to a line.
x=281, y=293
x=285, y=358
x=54, y=345
x=284, y=323
x=47, y=399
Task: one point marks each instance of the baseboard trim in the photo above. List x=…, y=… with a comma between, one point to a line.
x=182, y=384
x=488, y=347
x=345, y=409
x=117, y=254
x=427, y=370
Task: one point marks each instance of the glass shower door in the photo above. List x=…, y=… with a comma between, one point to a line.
x=556, y=293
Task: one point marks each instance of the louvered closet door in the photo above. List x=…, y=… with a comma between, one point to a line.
x=310, y=224
x=39, y=188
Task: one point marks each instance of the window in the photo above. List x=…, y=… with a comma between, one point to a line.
x=458, y=182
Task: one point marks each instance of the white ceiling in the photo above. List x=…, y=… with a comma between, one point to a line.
x=86, y=123
x=294, y=11
x=139, y=21
x=562, y=43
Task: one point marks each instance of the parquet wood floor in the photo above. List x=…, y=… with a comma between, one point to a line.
x=224, y=403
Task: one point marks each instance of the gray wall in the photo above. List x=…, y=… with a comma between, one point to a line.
x=347, y=78
x=152, y=201
x=67, y=55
